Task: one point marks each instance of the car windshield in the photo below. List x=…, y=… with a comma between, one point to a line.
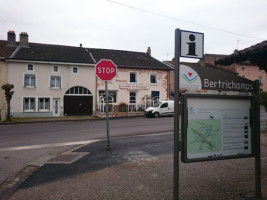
x=157, y=104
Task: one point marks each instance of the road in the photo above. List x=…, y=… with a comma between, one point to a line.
x=60, y=132
x=26, y=145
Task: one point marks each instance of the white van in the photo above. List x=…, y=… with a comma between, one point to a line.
x=161, y=108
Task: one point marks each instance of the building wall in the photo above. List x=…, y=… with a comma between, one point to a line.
x=122, y=86
x=252, y=72
x=2, y=92
x=16, y=75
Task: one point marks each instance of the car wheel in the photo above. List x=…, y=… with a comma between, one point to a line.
x=156, y=114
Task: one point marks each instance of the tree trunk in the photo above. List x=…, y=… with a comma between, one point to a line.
x=8, y=110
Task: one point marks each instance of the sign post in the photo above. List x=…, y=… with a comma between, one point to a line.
x=106, y=70
x=176, y=115
x=191, y=45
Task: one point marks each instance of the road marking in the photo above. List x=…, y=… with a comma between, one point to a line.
x=47, y=145
x=39, y=146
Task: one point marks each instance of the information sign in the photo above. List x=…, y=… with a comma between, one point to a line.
x=217, y=127
x=191, y=44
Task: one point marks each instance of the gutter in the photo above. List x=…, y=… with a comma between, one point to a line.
x=48, y=62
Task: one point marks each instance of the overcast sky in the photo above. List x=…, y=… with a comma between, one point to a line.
x=134, y=25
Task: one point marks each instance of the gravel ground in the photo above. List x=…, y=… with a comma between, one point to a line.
x=141, y=168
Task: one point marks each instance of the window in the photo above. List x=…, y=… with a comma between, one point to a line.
x=132, y=98
x=30, y=67
x=29, y=80
x=155, y=96
x=153, y=79
x=44, y=104
x=78, y=90
x=29, y=104
x=112, y=96
x=164, y=105
x=75, y=70
x=260, y=80
x=243, y=68
x=55, y=82
x=133, y=77
x=55, y=68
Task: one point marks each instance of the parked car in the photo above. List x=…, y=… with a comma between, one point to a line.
x=161, y=108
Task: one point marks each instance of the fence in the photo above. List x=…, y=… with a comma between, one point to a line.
x=132, y=106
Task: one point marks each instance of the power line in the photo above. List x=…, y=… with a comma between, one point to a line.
x=184, y=21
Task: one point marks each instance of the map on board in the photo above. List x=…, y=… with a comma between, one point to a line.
x=204, y=135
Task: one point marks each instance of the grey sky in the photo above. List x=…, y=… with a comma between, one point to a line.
x=137, y=24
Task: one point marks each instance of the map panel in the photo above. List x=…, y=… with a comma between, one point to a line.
x=204, y=136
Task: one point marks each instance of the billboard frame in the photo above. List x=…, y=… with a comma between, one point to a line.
x=252, y=126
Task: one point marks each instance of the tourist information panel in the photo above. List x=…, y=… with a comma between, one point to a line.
x=217, y=127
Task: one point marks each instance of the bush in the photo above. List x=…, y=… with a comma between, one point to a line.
x=123, y=107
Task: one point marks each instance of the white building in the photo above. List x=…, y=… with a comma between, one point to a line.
x=56, y=80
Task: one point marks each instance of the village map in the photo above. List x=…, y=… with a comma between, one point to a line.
x=204, y=136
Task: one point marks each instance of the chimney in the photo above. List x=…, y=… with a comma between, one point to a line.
x=11, y=39
x=148, y=52
x=23, y=37
x=81, y=45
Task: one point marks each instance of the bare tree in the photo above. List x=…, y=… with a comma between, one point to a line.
x=8, y=87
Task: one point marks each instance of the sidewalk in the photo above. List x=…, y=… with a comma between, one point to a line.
x=140, y=167
x=47, y=119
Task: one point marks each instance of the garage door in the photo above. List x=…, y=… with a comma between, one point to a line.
x=78, y=101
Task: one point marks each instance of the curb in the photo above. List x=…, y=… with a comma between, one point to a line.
x=8, y=187
x=64, y=120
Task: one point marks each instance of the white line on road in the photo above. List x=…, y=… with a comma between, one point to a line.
x=39, y=146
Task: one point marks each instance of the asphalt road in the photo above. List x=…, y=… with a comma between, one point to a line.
x=46, y=133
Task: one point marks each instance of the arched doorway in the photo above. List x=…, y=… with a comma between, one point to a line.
x=78, y=101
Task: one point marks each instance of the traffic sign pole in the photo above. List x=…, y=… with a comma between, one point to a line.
x=106, y=70
x=107, y=115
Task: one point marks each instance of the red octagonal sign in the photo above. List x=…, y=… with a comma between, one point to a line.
x=106, y=70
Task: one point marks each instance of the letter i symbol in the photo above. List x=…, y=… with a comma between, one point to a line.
x=192, y=45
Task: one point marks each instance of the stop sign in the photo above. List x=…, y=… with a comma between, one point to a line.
x=106, y=70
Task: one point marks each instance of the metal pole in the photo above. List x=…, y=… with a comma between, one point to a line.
x=107, y=115
x=176, y=115
x=257, y=144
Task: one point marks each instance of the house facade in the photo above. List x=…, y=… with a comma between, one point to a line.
x=252, y=72
x=140, y=79
x=56, y=80
x=51, y=89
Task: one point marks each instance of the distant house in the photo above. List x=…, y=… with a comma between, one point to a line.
x=57, y=80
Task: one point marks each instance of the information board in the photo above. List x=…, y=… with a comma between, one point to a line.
x=216, y=127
